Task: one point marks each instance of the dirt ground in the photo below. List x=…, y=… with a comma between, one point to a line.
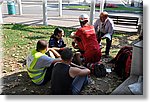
x=17, y=82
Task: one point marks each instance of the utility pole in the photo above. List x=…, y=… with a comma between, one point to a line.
x=92, y=11
x=45, y=12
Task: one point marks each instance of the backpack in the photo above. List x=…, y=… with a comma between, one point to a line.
x=122, y=62
x=98, y=70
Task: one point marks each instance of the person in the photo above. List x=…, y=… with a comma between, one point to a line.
x=86, y=40
x=56, y=40
x=67, y=80
x=104, y=27
x=39, y=65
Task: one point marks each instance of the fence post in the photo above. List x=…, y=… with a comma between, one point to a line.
x=60, y=8
x=1, y=17
x=45, y=12
x=92, y=11
x=102, y=5
x=19, y=7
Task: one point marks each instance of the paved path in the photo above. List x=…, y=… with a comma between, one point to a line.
x=32, y=15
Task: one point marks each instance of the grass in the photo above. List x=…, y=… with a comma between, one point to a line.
x=19, y=40
x=123, y=8
x=76, y=7
x=119, y=8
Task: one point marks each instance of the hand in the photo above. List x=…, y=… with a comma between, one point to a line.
x=72, y=35
x=49, y=49
x=63, y=48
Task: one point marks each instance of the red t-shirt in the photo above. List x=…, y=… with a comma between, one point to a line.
x=89, y=41
x=88, y=37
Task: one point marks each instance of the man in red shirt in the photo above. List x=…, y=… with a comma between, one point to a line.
x=86, y=40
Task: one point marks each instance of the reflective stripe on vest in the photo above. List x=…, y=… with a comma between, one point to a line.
x=37, y=75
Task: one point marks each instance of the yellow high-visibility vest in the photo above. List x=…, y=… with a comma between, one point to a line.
x=36, y=74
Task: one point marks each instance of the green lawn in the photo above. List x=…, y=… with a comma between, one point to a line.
x=97, y=8
x=124, y=8
x=76, y=7
x=19, y=40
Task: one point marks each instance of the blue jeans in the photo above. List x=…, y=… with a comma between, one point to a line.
x=78, y=83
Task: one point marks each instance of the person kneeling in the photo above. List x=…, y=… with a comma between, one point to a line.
x=66, y=79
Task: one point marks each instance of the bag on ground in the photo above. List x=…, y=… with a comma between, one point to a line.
x=122, y=62
x=98, y=70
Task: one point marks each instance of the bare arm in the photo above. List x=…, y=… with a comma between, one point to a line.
x=54, y=52
x=57, y=48
x=75, y=65
x=74, y=71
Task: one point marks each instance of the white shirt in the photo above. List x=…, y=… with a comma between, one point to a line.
x=108, y=26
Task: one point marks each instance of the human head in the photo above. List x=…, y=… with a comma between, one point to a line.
x=58, y=33
x=67, y=55
x=83, y=19
x=41, y=46
x=103, y=16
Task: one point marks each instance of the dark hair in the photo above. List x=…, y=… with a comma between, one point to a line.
x=41, y=45
x=83, y=23
x=57, y=30
x=66, y=54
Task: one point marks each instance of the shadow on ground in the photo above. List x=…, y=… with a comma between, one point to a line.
x=20, y=84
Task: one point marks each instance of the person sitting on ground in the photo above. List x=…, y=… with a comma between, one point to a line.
x=67, y=79
x=56, y=41
x=39, y=65
x=86, y=40
x=104, y=27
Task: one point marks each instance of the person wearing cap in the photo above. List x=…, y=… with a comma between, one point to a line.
x=85, y=37
x=104, y=28
x=56, y=42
